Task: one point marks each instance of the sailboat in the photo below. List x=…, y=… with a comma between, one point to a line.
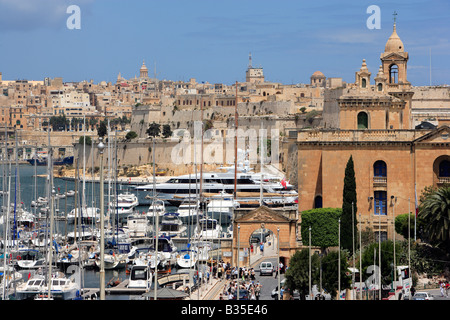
x=187, y=258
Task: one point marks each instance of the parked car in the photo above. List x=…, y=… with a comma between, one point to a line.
x=422, y=295
x=243, y=295
x=266, y=267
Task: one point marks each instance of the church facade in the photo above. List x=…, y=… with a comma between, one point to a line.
x=393, y=162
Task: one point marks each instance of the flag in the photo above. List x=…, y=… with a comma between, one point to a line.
x=417, y=202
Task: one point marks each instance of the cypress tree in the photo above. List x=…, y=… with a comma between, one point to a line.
x=349, y=196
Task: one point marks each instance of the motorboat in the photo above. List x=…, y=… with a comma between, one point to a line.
x=207, y=228
x=147, y=256
x=188, y=207
x=187, y=258
x=62, y=288
x=112, y=261
x=140, y=277
x=81, y=233
x=124, y=204
x=86, y=215
x=157, y=207
x=166, y=247
x=221, y=206
x=172, y=226
x=138, y=225
x=27, y=259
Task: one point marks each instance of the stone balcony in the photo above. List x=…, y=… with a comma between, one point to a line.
x=443, y=180
x=379, y=182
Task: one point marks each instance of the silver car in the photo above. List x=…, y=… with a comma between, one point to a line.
x=422, y=295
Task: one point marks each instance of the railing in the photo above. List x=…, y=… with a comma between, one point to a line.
x=380, y=181
x=444, y=180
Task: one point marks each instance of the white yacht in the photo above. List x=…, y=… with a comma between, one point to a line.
x=157, y=207
x=140, y=277
x=138, y=225
x=62, y=288
x=86, y=215
x=29, y=259
x=188, y=207
x=177, y=188
x=171, y=225
x=124, y=205
x=221, y=206
x=207, y=228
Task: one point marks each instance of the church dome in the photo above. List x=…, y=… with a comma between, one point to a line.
x=318, y=74
x=394, y=43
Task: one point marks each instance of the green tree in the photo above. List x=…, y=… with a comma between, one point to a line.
x=102, y=129
x=153, y=130
x=131, y=135
x=435, y=213
x=297, y=275
x=88, y=140
x=167, y=132
x=402, y=224
x=370, y=257
x=324, y=223
x=59, y=123
x=349, y=208
x=330, y=271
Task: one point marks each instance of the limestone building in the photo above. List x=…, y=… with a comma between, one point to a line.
x=254, y=75
x=392, y=159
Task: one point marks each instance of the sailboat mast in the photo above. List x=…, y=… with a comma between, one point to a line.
x=235, y=142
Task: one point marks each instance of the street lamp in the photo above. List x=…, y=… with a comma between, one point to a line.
x=101, y=148
x=310, y=293
x=394, y=200
x=238, y=257
x=278, y=250
x=339, y=262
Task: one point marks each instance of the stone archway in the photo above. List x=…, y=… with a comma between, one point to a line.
x=249, y=220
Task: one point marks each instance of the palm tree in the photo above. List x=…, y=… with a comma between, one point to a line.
x=435, y=213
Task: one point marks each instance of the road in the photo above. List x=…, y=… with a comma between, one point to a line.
x=268, y=282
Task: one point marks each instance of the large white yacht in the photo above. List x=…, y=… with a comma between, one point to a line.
x=175, y=189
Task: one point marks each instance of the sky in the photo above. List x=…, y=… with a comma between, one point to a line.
x=210, y=40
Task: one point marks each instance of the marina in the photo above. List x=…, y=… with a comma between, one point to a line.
x=191, y=237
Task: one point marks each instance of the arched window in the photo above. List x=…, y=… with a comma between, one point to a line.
x=363, y=120
x=379, y=169
x=318, y=202
x=380, y=87
x=363, y=83
x=393, y=73
x=444, y=168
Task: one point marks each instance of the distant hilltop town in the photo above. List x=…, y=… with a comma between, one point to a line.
x=30, y=110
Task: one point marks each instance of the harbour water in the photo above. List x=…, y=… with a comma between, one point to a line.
x=27, y=184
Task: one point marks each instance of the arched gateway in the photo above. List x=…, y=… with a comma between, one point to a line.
x=250, y=220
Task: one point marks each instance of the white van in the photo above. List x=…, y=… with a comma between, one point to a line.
x=266, y=267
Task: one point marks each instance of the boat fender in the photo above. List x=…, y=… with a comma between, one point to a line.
x=18, y=257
